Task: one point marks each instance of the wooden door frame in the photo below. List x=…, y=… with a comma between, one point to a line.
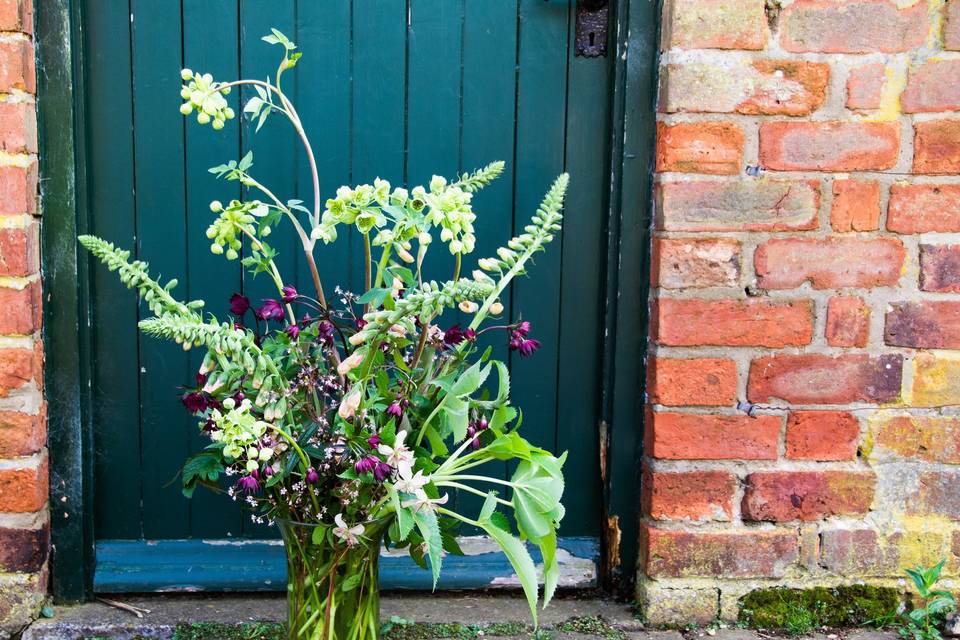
x=60, y=103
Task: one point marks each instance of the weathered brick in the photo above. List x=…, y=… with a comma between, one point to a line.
x=821, y=379
x=743, y=205
x=829, y=146
x=829, y=263
x=17, y=368
x=936, y=147
x=716, y=24
x=20, y=251
x=951, y=26
x=923, y=208
x=691, y=495
x=856, y=205
x=700, y=147
x=905, y=436
x=738, y=554
x=936, y=381
x=783, y=496
x=20, y=310
x=17, y=70
x=679, y=607
x=18, y=189
x=694, y=436
x=18, y=127
x=925, y=324
x=679, y=382
x=857, y=552
x=23, y=550
x=852, y=26
x=936, y=494
x=16, y=15
x=735, y=323
x=22, y=434
x=940, y=268
x=822, y=435
x=932, y=86
x=759, y=87
x=683, y=263
x=848, y=322
x=24, y=489
x=865, y=86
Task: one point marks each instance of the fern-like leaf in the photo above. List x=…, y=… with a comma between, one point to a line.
x=480, y=178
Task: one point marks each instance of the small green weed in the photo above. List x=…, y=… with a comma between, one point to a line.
x=923, y=622
x=217, y=631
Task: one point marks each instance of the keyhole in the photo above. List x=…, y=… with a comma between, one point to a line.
x=592, y=38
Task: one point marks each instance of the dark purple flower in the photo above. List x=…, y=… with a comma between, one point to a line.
x=360, y=323
x=382, y=471
x=238, y=397
x=527, y=346
x=248, y=484
x=289, y=294
x=522, y=328
x=293, y=331
x=239, y=304
x=482, y=424
x=271, y=310
x=453, y=336
x=268, y=471
x=470, y=334
x=209, y=426
x=373, y=440
x=195, y=402
x=475, y=443
x=201, y=379
x=312, y=476
x=325, y=331
x=365, y=465
x=395, y=410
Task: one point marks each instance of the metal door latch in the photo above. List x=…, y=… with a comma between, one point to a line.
x=591, y=37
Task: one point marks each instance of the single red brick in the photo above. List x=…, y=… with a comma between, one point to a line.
x=743, y=553
x=20, y=310
x=829, y=146
x=936, y=495
x=17, y=70
x=829, y=263
x=932, y=86
x=16, y=15
x=22, y=434
x=809, y=78
x=18, y=127
x=716, y=24
x=852, y=26
x=822, y=435
x=940, y=268
x=16, y=369
x=936, y=147
x=926, y=438
x=24, y=489
x=865, y=86
x=923, y=208
x=925, y=324
x=857, y=552
x=691, y=495
x=700, y=147
x=856, y=205
x=782, y=496
x=951, y=26
x=742, y=205
x=24, y=550
x=694, y=436
x=18, y=189
x=679, y=382
x=682, y=263
x=821, y=379
x=20, y=251
x=735, y=323
x=848, y=322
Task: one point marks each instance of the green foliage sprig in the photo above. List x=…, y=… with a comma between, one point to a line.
x=923, y=622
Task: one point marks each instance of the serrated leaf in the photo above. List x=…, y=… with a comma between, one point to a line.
x=428, y=527
x=521, y=562
x=202, y=468
x=470, y=380
x=458, y=418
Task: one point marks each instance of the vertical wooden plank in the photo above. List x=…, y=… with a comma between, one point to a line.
x=210, y=278
x=159, y=179
x=489, y=91
x=581, y=293
x=323, y=99
x=115, y=380
x=541, y=121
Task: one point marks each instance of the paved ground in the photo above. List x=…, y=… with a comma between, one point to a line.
x=102, y=621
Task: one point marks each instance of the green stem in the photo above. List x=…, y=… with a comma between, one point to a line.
x=382, y=265
x=469, y=489
x=456, y=268
x=367, y=267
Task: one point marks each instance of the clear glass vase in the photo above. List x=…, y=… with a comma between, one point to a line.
x=333, y=589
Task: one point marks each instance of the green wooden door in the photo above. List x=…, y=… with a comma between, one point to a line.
x=392, y=88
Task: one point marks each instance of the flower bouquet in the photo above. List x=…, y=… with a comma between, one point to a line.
x=348, y=421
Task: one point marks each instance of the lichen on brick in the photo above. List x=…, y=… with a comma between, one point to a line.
x=844, y=606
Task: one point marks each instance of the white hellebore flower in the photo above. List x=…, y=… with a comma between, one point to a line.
x=398, y=456
x=349, y=405
x=345, y=533
x=412, y=483
x=350, y=363
x=422, y=502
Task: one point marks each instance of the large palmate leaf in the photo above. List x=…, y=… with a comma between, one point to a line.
x=537, y=489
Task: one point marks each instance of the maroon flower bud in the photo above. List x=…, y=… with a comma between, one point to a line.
x=238, y=397
x=469, y=334
x=293, y=331
x=483, y=424
x=201, y=379
x=395, y=410
x=382, y=471
x=475, y=443
x=268, y=471
x=271, y=310
x=373, y=440
x=453, y=336
x=248, y=484
x=523, y=328
x=365, y=465
x=195, y=402
x=209, y=425
x=360, y=323
x=289, y=294
x=239, y=304
x=471, y=431
x=325, y=331
x=312, y=476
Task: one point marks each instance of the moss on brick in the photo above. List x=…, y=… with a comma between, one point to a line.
x=846, y=606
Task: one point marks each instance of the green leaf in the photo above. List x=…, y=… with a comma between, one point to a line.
x=551, y=568
x=470, y=380
x=350, y=583
x=404, y=516
x=203, y=468
x=246, y=162
x=319, y=534
x=426, y=520
x=458, y=418
x=520, y=560
x=374, y=297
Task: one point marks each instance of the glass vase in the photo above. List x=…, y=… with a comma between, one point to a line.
x=333, y=589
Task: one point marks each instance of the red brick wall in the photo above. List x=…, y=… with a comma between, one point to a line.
x=804, y=378
x=24, y=528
